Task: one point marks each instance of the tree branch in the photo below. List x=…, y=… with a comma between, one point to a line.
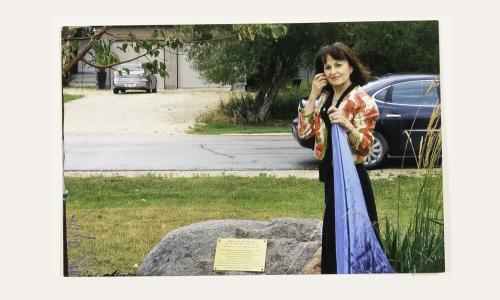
x=77, y=38
x=103, y=30
x=86, y=49
x=118, y=63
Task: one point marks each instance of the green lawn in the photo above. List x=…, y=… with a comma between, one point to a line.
x=218, y=127
x=113, y=222
x=69, y=97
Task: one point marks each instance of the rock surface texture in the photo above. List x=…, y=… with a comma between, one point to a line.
x=293, y=247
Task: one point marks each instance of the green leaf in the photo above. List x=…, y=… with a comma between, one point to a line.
x=436, y=221
x=187, y=29
x=251, y=35
x=278, y=31
x=284, y=28
x=156, y=52
x=259, y=30
x=132, y=36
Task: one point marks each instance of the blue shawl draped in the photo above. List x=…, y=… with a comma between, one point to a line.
x=357, y=247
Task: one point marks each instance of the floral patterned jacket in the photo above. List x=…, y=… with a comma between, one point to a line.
x=358, y=107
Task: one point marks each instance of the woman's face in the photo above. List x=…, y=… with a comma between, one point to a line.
x=337, y=72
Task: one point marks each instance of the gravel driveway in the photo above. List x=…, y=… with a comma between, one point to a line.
x=166, y=112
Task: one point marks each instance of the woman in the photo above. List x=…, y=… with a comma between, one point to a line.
x=336, y=97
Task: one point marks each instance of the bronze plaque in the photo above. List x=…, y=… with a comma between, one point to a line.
x=240, y=255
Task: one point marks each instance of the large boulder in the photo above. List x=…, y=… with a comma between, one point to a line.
x=293, y=247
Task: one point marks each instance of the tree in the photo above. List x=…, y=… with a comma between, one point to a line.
x=272, y=60
x=396, y=47
x=271, y=55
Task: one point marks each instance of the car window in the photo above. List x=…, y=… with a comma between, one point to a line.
x=431, y=94
x=380, y=95
x=415, y=93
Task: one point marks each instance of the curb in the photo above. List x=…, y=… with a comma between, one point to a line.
x=307, y=174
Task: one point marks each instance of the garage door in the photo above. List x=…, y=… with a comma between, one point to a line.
x=188, y=77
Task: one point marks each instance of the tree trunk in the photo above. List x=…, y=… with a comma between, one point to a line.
x=85, y=49
x=267, y=92
x=263, y=110
x=272, y=74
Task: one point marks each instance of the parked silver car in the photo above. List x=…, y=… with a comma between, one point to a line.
x=133, y=77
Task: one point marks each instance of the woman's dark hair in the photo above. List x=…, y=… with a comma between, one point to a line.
x=360, y=74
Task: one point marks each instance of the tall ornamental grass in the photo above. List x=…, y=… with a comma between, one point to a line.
x=420, y=247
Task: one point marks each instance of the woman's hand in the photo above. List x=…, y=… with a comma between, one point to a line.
x=337, y=117
x=319, y=82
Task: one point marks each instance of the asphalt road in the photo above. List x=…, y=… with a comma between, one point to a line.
x=186, y=152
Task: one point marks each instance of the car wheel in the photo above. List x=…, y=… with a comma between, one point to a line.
x=378, y=153
x=115, y=91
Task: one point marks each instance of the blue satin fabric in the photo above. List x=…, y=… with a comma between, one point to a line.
x=357, y=247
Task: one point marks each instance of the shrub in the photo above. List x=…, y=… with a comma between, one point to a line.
x=237, y=106
x=284, y=106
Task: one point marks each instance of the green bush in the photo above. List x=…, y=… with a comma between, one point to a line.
x=284, y=106
x=237, y=105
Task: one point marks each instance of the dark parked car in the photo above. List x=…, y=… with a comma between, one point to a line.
x=405, y=104
x=133, y=77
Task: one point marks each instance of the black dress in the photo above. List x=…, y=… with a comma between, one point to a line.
x=328, y=252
